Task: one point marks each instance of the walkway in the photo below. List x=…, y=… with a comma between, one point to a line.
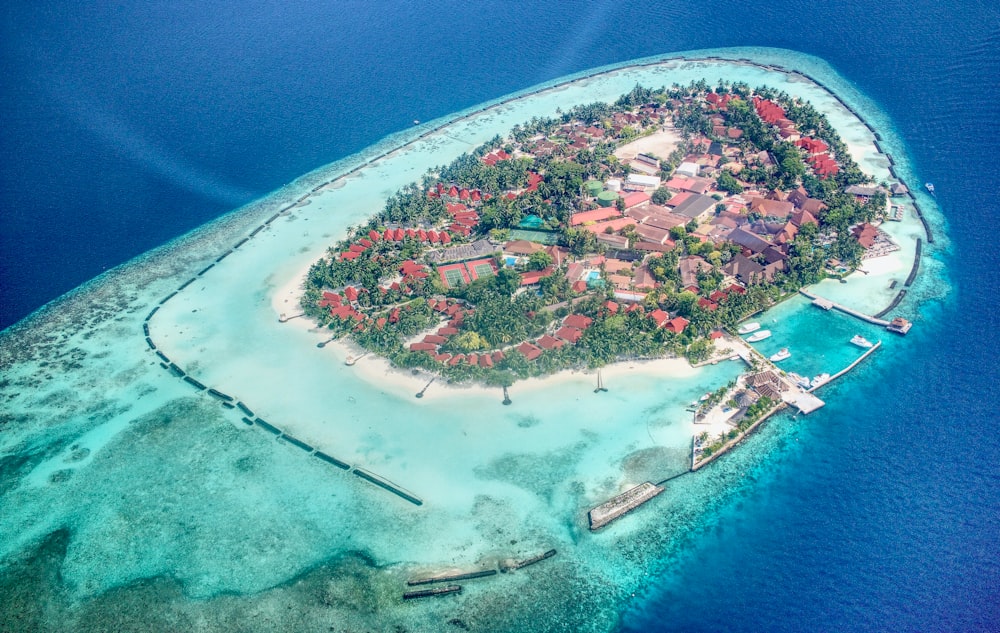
x=826, y=304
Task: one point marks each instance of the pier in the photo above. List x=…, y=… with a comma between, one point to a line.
x=826, y=304
x=622, y=504
x=843, y=371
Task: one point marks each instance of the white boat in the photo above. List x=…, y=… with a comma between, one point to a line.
x=930, y=187
x=801, y=381
x=781, y=355
x=861, y=341
x=759, y=336
x=746, y=328
x=819, y=380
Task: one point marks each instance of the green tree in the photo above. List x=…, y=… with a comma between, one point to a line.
x=539, y=260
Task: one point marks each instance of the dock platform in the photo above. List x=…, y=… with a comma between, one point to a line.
x=804, y=401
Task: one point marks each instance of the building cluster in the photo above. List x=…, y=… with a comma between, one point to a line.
x=619, y=211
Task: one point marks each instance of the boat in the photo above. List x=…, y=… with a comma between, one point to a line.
x=781, y=355
x=930, y=187
x=801, y=381
x=861, y=341
x=759, y=336
x=820, y=379
x=746, y=328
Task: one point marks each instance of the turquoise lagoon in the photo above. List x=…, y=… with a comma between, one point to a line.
x=137, y=490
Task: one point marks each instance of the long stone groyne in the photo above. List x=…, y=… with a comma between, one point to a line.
x=249, y=419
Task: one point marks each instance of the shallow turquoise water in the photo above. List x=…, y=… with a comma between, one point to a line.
x=154, y=482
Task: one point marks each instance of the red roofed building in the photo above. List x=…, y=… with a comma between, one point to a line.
x=812, y=145
x=865, y=234
x=529, y=351
x=596, y=215
x=578, y=321
x=715, y=335
x=676, y=325
x=740, y=290
x=485, y=361
x=456, y=359
x=374, y=235
x=611, y=307
x=548, y=342
x=708, y=304
x=351, y=293
x=580, y=286
x=768, y=110
x=423, y=347
x=534, y=276
x=356, y=248
x=434, y=339
x=472, y=359
x=364, y=241
x=659, y=317
x=570, y=334
x=330, y=299
x=635, y=199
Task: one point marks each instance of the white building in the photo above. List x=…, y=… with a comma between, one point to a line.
x=642, y=182
x=688, y=169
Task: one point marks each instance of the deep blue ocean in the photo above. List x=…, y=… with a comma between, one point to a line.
x=127, y=124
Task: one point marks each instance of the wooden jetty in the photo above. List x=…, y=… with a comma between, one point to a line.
x=826, y=304
x=600, y=383
x=622, y=504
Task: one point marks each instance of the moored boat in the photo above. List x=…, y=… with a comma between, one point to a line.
x=759, y=336
x=801, y=381
x=780, y=355
x=930, y=187
x=746, y=328
x=861, y=341
x=820, y=379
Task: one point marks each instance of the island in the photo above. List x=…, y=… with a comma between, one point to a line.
x=645, y=228
x=649, y=276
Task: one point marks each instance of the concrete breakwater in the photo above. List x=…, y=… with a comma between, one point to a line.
x=843, y=371
x=471, y=575
x=437, y=591
x=622, y=504
x=388, y=485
